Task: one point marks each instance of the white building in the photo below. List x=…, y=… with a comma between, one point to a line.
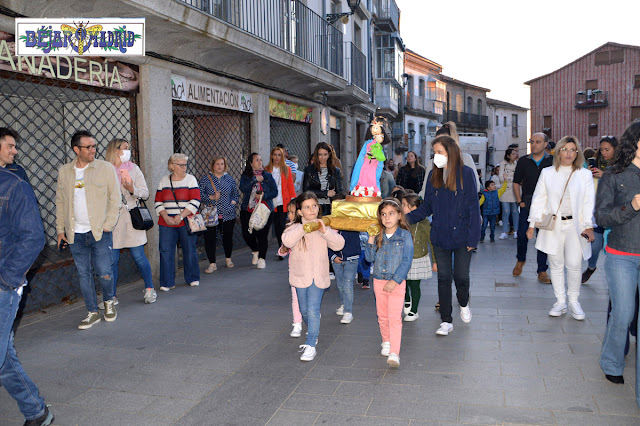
x=507, y=125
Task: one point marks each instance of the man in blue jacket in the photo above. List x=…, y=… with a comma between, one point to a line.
x=21, y=239
x=8, y=152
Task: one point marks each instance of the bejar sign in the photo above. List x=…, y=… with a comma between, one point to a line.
x=80, y=36
x=199, y=92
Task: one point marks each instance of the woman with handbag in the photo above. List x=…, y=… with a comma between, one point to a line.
x=258, y=187
x=220, y=197
x=508, y=198
x=562, y=210
x=283, y=177
x=322, y=177
x=134, y=189
x=177, y=198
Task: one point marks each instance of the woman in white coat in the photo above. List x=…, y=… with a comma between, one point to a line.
x=568, y=243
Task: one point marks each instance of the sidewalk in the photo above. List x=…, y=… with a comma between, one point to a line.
x=220, y=354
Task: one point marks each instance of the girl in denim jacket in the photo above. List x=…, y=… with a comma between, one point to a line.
x=391, y=252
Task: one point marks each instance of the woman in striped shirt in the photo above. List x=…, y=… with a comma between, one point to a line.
x=177, y=197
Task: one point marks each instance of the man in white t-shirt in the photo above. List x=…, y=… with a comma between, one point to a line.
x=87, y=206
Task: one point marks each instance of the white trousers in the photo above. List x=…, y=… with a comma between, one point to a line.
x=570, y=256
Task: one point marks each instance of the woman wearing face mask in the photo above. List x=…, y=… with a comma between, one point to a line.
x=451, y=196
x=133, y=188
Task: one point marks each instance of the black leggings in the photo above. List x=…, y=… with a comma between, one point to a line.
x=257, y=240
x=210, y=237
x=413, y=294
x=279, y=222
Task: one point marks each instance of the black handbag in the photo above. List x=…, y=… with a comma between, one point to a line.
x=141, y=216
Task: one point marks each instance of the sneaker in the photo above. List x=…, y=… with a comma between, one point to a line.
x=340, y=310
x=407, y=308
x=393, y=361
x=163, y=288
x=150, y=295
x=297, y=329
x=445, y=329
x=386, y=348
x=493, y=240
x=576, y=311
x=261, y=264
x=44, y=420
x=365, y=284
x=308, y=353
x=347, y=318
x=211, y=269
x=101, y=304
x=465, y=314
x=411, y=317
x=515, y=235
x=194, y=283
x=332, y=276
x=229, y=262
x=92, y=318
x=517, y=270
x=558, y=309
x=503, y=236
x=587, y=274
x=110, y=313
x=254, y=260
x=543, y=277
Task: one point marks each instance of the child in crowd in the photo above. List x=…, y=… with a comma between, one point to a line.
x=364, y=267
x=391, y=252
x=422, y=264
x=345, y=266
x=283, y=251
x=490, y=205
x=309, y=265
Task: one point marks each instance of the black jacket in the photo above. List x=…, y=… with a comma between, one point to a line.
x=527, y=173
x=614, y=210
x=311, y=181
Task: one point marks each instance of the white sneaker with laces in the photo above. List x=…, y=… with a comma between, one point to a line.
x=150, y=295
x=115, y=302
x=407, y=308
x=340, y=310
x=558, y=309
x=347, y=318
x=254, y=260
x=386, y=348
x=262, y=264
x=503, y=236
x=515, y=235
x=445, y=329
x=411, y=317
x=308, y=353
x=194, y=283
x=576, y=311
x=465, y=313
x=297, y=329
x=393, y=361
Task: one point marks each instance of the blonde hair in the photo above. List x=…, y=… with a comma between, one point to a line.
x=284, y=169
x=216, y=158
x=578, y=162
x=112, y=149
x=174, y=158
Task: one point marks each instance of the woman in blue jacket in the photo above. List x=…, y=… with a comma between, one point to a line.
x=451, y=196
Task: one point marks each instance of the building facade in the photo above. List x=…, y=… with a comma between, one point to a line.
x=596, y=95
x=507, y=126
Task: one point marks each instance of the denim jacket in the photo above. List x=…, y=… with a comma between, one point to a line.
x=21, y=231
x=393, y=260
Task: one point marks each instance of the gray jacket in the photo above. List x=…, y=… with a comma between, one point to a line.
x=614, y=210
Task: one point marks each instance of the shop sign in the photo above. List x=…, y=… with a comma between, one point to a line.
x=290, y=111
x=199, y=92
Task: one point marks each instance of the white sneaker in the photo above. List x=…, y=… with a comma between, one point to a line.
x=465, y=313
x=262, y=264
x=297, y=329
x=211, y=269
x=386, y=348
x=515, y=235
x=407, y=308
x=308, y=353
x=163, y=288
x=499, y=223
x=576, y=310
x=254, y=260
x=393, y=361
x=150, y=295
x=332, y=276
x=445, y=329
x=115, y=302
x=558, y=309
x=411, y=317
x=347, y=318
x=194, y=283
x=340, y=310
x=503, y=236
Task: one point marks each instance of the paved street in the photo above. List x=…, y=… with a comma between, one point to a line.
x=221, y=354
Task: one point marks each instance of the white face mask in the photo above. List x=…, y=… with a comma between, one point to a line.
x=126, y=155
x=440, y=160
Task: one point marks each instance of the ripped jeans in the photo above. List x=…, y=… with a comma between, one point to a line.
x=93, y=257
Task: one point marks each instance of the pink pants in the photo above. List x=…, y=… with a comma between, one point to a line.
x=389, y=307
x=297, y=316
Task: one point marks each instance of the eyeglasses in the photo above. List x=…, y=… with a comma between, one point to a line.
x=87, y=147
x=180, y=165
x=572, y=151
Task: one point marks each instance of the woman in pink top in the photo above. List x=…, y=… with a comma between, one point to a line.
x=309, y=265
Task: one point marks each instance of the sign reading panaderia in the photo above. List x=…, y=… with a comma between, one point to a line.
x=198, y=92
x=80, y=36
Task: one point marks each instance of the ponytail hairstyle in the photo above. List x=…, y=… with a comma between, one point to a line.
x=413, y=200
x=393, y=202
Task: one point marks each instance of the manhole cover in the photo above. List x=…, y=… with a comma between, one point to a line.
x=507, y=284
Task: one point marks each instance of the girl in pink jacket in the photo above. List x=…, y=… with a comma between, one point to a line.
x=309, y=265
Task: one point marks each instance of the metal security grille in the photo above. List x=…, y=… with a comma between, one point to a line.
x=45, y=113
x=294, y=135
x=335, y=141
x=201, y=132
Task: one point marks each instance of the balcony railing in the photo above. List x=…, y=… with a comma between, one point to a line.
x=420, y=103
x=289, y=25
x=470, y=120
x=591, y=98
x=355, y=66
x=387, y=15
x=386, y=95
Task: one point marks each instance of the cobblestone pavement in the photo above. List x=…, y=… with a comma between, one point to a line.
x=221, y=354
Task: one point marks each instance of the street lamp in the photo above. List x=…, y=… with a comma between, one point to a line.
x=333, y=17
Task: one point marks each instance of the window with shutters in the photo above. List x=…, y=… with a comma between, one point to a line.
x=635, y=113
x=547, y=124
x=591, y=84
x=593, y=124
x=616, y=56
x=636, y=82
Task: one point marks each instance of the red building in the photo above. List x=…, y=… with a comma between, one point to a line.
x=596, y=95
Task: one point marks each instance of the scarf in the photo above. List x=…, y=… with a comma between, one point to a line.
x=127, y=165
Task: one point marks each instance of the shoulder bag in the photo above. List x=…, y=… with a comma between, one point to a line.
x=194, y=222
x=548, y=221
x=259, y=216
x=210, y=211
x=140, y=215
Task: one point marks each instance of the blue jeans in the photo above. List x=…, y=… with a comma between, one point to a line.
x=168, y=241
x=91, y=256
x=489, y=219
x=509, y=209
x=623, y=277
x=364, y=267
x=596, y=248
x=12, y=376
x=521, y=255
x=141, y=261
x=310, y=299
x=345, y=273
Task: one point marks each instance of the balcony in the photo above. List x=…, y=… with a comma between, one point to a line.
x=465, y=119
x=355, y=72
x=421, y=105
x=386, y=97
x=592, y=98
x=387, y=15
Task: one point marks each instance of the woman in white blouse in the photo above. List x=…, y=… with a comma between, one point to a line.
x=568, y=243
